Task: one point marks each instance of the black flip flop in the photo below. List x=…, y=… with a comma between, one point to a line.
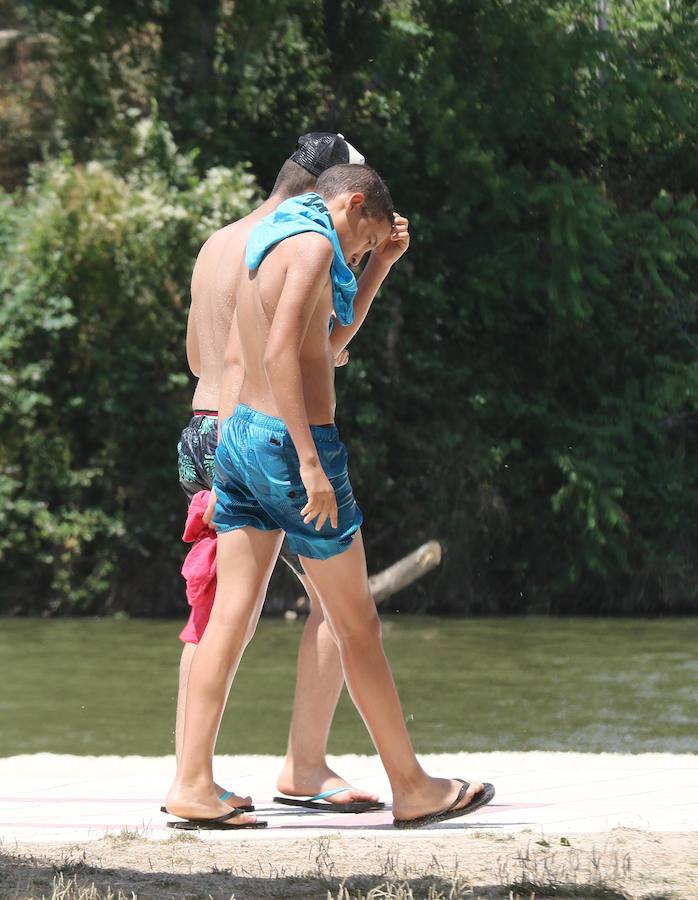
x=225, y=796
x=480, y=800
x=249, y=808
x=217, y=824
x=318, y=803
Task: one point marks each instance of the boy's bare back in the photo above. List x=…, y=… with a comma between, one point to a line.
x=219, y=269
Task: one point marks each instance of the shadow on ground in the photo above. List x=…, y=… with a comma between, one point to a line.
x=28, y=877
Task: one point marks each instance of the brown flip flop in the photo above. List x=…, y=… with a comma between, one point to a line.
x=480, y=800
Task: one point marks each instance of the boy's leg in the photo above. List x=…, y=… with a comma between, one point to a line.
x=342, y=585
x=246, y=558
x=319, y=682
x=185, y=662
x=197, y=445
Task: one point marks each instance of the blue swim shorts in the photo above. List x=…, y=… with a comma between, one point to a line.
x=258, y=483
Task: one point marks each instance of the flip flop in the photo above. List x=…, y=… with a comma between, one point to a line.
x=480, y=800
x=357, y=806
x=218, y=824
x=226, y=795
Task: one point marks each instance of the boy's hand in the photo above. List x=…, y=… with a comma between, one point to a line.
x=341, y=359
x=322, y=503
x=396, y=243
x=210, y=509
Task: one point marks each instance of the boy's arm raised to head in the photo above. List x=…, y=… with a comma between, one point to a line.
x=307, y=274
x=370, y=280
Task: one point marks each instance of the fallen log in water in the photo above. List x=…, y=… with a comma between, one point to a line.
x=405, y=571
x=396, y=577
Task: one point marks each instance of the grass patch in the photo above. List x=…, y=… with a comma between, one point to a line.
x=71, y=889
x=183, y=837
x=72, y=865
x=321, y=869
x=125, y=836
x=559, y=870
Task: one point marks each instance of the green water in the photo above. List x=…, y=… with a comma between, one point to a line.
x=108, y=686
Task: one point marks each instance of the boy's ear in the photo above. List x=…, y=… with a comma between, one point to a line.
x=355, y=200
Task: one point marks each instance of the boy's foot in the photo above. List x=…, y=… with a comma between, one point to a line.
x=228, y=797
x=205, y=807
x=444, y=799
x=235, y=801
x=308, y=784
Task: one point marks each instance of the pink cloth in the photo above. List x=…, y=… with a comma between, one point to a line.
x=199, y=569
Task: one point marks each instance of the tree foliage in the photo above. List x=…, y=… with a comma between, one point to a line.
x=92, y=377
x=525, y=388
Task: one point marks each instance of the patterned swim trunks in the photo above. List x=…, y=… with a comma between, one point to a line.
x=197, y=454
x=197, y=467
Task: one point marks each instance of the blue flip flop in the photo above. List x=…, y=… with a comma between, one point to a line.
x=316, y=803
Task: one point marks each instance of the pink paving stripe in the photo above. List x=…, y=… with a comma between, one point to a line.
x=41, y=799
x=341, y=820
x=82, y=826
x=503, y=807
x=492, y=808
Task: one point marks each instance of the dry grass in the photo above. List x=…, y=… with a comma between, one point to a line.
x=70, y=889
x=332, y=868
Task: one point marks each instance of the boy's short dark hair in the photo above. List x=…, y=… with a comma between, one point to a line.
x=338, y=180
x=293, y=180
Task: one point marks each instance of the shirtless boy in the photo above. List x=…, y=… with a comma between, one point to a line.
x=282, y=468
x=305, y=772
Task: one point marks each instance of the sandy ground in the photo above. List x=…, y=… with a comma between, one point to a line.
x=624, y=863
x=561, y=825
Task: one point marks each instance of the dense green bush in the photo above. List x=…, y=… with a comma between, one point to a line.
x=95, y=267
x=525, y=389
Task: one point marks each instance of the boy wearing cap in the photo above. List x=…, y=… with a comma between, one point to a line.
x=280, y=467
x=319, y=680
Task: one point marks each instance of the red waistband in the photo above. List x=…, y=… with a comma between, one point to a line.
x=206, y=412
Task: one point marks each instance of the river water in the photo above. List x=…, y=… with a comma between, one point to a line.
x=108, y=686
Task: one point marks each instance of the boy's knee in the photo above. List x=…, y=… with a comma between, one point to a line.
x=235, y=619
x=362, y=630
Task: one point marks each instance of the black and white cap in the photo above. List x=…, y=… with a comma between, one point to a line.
x=319, y=150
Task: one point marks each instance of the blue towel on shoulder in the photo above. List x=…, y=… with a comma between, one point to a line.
x=295, y=216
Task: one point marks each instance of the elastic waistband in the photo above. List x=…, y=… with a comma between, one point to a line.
x=212, y=413
x=272, y=424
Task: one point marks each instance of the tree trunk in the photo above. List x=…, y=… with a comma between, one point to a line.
x=405, y=571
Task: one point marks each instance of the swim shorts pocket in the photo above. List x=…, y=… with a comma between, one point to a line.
x=295, y=491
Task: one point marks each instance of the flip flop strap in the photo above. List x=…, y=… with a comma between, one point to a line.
x=231, y=815
x=325, y=794
x=461, y=794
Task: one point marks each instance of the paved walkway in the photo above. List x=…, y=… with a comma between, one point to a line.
x=45, y=797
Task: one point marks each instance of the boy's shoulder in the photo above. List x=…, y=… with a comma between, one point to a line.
x=309, y=250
